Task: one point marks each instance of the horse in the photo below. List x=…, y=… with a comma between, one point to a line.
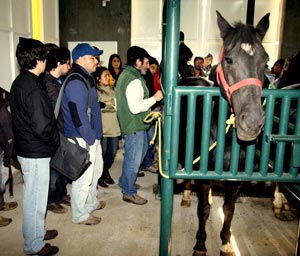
x=288, y=79
x=239, y=74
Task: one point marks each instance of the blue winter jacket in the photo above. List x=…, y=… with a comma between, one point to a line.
x=74, y=107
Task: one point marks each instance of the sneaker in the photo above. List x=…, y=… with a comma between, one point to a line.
x=151, y=168
x=108, y=179
x=4, y=221
x=91, y=220
x=50, y=234
x=140, y=174
x=9, y=206
x=102, y=183
x=48, y=249
x=101, y=205
x=66, y=200
x=134, y=199
x=56, y=208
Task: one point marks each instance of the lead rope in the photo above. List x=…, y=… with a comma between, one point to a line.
x=229, y=122
x=156, y=116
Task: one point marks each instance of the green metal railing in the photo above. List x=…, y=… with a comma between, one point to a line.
x=275, y=137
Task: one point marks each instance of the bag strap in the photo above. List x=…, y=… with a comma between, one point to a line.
x=61, y=91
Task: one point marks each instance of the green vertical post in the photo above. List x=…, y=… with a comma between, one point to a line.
x=220, y=148
x=294, y=165
x=170, y=68
x=268, y=126
x=283, y=128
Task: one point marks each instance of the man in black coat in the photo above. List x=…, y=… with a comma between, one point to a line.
x=36, y=140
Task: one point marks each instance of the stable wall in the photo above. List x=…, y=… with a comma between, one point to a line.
x=89, y=21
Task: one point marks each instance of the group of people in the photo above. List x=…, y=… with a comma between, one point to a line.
x=202, y=66
x=121, y=98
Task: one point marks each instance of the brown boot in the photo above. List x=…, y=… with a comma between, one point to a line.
x=9, y=206
x=56, y=208
x=4, y=221
x=48, y=249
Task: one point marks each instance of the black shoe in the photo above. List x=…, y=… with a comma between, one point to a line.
x=141, y=174
x=56, y=208
x=48, y=249
x=9, y=206
x=50, y=234
x=4, y=221
x=108, y=179
x=102, y=183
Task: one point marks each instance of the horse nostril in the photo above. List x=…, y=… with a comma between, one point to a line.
x=251, y=122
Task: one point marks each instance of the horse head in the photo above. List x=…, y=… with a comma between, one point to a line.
x=240, y=73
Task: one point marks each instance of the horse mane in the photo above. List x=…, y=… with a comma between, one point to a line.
x=241, y=33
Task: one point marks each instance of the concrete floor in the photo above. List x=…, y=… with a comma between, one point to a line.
x=130, y=230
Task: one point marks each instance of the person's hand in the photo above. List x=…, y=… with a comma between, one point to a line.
x=158, y=95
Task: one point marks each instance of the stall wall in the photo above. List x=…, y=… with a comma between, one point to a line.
x=199, y=24
x=15, y=22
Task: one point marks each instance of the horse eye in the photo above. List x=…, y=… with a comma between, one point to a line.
x=228, y=60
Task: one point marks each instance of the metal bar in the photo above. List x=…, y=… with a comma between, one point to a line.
x=171, y=69
x=294, y=166
x=239, y=176
x=205, y=136
x=223, y=109
x=167, y=188
x=190, y=133
x=280, y=138
x=282, y=130
x=235, y=154
x=175, y=128
x=266, y=146
x=249, y=162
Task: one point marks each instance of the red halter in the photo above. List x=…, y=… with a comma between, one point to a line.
x=229, y=89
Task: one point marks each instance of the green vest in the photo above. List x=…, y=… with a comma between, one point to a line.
x=129, y=122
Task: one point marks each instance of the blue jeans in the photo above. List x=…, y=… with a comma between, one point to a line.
x=149, y=158
x=84, y=193
x=35, y=195
x=57, y=186
x=135, y=147
x=2, y=182
x=109, y=150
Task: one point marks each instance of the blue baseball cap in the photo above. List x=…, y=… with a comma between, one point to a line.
x=82, y=49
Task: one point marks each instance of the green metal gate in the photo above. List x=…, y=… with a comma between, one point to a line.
x=287, y=134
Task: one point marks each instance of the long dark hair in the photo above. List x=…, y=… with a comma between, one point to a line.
x=110, y=67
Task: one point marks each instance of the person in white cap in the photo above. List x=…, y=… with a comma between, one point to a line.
x=84, y=199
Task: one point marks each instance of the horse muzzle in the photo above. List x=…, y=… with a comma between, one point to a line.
x=249, y=125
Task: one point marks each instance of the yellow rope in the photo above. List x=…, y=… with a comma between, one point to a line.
x=229, y=122
x=156, y=116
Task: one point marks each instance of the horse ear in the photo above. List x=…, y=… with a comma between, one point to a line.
x=223, y=25
x=262, y=26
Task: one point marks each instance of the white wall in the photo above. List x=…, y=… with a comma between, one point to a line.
x=15, y=22
x=199, y=24
x=108, y=47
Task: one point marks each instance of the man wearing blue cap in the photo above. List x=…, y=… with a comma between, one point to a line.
x=88, y=133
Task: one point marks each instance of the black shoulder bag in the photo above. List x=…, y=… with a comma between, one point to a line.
x=71, y=159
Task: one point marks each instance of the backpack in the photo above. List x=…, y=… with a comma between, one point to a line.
x=7, y=140
x=6, y=132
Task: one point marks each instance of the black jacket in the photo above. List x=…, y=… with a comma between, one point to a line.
x=34, y=125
